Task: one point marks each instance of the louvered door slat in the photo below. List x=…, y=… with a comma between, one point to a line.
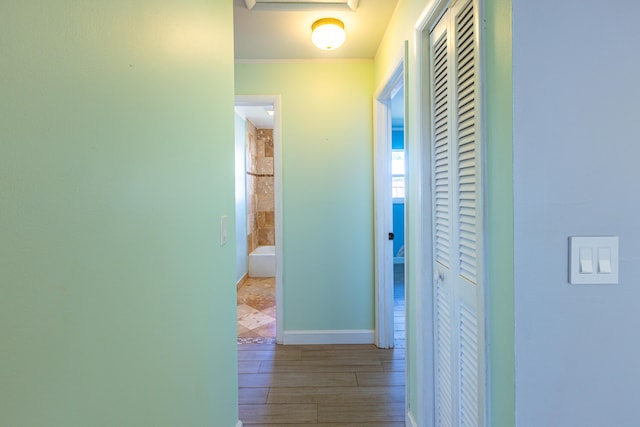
x=466, y=154
x=441, y=151
x=466, y=104
x=466, y=218
x=465, y=79
x=444, y=368
x=468, y=366
x=465, y=61
x=466, y=143
x=464, y=19
x=441, y=174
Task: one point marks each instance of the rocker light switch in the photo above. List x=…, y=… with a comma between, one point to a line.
x=586, y=260
x=593, y=260
x=604, y=260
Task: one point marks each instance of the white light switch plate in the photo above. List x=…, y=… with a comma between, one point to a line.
x=223, y=230
x=593, y=260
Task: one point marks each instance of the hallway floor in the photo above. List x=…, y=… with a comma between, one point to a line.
x=321, y=385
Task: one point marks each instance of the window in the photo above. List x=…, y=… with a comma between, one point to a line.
x=397, y=174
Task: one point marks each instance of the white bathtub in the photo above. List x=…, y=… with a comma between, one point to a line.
x=262, y=262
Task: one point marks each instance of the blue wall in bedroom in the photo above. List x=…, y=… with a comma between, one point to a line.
x=397, y=139
x=398, y=227
x=397, y=143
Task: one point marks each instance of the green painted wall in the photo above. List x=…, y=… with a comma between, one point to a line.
x=499, y=211
x=499, y=197
x=117, y=303
x=327, y=177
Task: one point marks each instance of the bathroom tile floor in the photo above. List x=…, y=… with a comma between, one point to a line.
x=257, y=310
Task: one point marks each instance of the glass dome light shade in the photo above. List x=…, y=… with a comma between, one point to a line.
x=328, y=33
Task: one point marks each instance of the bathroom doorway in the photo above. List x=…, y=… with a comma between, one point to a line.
x=258, y=219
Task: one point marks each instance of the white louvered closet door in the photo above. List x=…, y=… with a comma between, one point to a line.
x=455, y=143
x=442, y=218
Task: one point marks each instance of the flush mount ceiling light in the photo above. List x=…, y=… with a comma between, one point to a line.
x=328, y=33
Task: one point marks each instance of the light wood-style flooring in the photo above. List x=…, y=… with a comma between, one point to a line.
x=327, y=385
x=322, y=385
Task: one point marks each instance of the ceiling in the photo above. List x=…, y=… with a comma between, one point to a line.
x=285, y=31
x=257, y=115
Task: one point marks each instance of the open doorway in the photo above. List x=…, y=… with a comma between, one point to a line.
x=258, y=225
x=390, y=211
x=398, y=193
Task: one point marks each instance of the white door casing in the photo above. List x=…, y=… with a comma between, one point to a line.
x=384, y=300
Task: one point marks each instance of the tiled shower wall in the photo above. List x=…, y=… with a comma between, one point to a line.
x=260, y=200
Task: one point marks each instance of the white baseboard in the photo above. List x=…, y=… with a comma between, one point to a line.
x=341, y=336
x=239, y=423
x=244, y=276
x=410, y=421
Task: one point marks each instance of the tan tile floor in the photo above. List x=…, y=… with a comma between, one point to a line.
x=257, y=309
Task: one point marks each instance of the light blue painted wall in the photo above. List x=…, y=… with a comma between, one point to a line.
x=327, y=173
x=576, y=150
x=241, y=198
x=117, y=304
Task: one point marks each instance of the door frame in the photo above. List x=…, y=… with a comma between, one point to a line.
x=275, y=101
x=418, y=265
x=383, y=207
